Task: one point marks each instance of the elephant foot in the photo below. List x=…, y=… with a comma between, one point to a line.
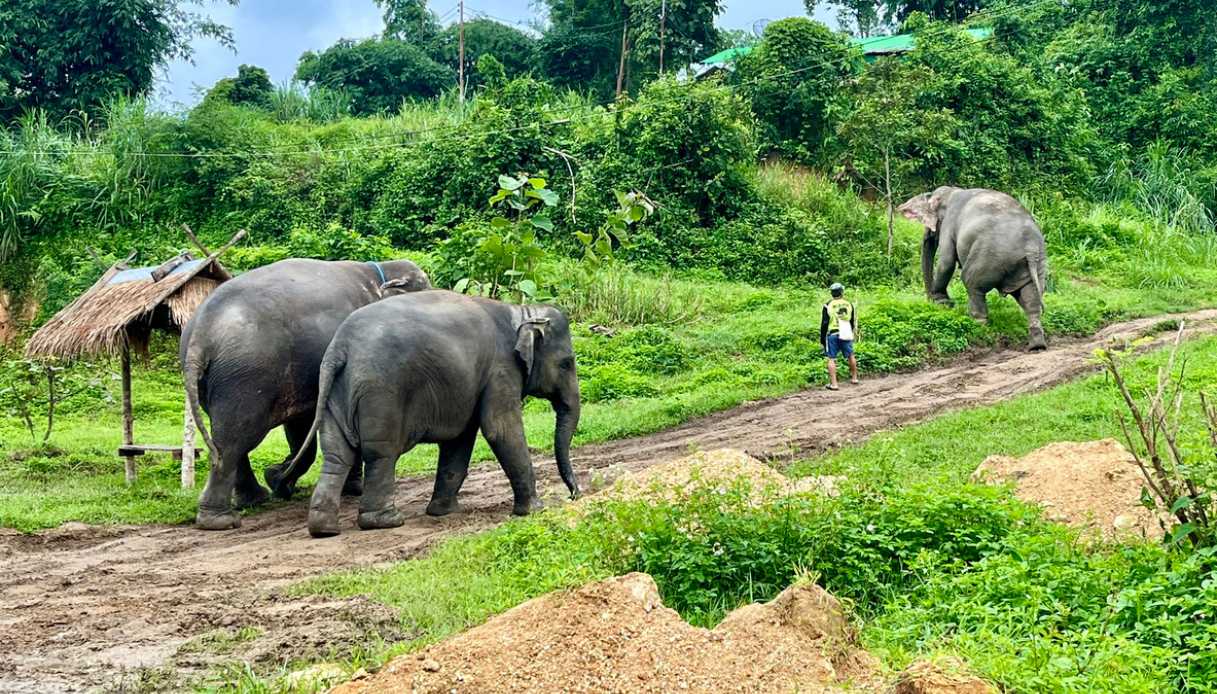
x=323, y=525
x=385, y=518
x=1037, y=341
x=249, y=498
x=523, y=509
x=274, y=479
x=211, y=520
x=352, y=487
x=942, y=301
x=442, y=507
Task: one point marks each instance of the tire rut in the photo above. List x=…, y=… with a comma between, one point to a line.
x=85, y=607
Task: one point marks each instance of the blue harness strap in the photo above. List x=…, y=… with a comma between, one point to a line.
x=379, y=271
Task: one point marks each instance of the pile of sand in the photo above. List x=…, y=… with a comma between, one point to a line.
x=1094, y=485
x=616, y=636
x=718, y=469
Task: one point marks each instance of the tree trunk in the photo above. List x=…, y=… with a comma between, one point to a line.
x=887, y=185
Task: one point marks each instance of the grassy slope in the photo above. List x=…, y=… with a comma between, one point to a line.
x=1033, y=615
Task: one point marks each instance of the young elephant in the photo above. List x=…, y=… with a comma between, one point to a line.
x=437, y=367
x=996, y=244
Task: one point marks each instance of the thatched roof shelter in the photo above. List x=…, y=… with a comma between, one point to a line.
x=118, y=314
x=122, y=308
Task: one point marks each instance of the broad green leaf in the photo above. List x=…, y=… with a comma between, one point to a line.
x=584, y=237
x=510, y=182
x=1181, y=532
x=537, y=183
x=528, y=287
x=500, y=222
x=461, y=286
x=1181, y=503
x=549, y=197
x=543, y=223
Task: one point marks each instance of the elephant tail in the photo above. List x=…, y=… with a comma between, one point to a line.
x=1035, y=264
x=331, y=365
x=194, y=364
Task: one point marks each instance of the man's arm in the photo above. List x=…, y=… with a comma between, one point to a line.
x=824, y=326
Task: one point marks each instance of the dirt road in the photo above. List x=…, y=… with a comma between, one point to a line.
x=118, y=607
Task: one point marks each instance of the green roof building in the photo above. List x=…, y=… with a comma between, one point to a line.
x=872, y=47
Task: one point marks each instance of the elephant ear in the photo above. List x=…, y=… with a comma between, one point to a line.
x=923, y=209
x=530, y=329
x=399, y=283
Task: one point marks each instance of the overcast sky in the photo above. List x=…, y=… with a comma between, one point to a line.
x=273, y=33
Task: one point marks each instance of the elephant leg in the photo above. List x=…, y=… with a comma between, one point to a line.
x=295, y=431
x=943, y=272
x=1033, y=305
x=249, y=492
x=354, y=484
x=337, y=460
x=978, y=307
x=233, y=439
x=504, y=431
x=377, y=508
x=450, y=474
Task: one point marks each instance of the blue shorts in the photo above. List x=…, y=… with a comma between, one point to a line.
x=838, y=346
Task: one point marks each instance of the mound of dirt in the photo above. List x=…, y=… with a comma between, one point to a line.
x=1094, y=485
x=616, y=636
x=721, y=468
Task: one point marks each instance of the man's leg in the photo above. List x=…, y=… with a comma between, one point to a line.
x=853, y=368
x=832, y=373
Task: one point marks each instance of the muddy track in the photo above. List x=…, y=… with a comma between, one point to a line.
x=117, y=607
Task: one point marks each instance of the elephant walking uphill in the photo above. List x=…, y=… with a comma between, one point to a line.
x=437, y=367
x=250, y=358
x=996, y=244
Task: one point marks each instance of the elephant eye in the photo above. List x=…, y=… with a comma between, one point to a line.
x=567, y=364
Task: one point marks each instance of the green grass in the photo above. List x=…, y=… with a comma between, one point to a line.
x=932, y=563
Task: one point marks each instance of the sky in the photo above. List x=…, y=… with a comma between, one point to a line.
x=274, y=33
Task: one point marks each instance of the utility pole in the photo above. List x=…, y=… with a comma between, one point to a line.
x=663, y=15
x=625, y=30
x=461, y=66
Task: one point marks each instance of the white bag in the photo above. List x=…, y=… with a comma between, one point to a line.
x=845, y=331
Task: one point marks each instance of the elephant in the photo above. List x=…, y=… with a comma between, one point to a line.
x=996, y=243
x=438, y=367
x=250, y=357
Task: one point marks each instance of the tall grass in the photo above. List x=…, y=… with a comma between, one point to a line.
x=1164, y=183
x=617, y=296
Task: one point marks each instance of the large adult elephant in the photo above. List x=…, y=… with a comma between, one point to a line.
x=996, y=244
x=250, y=359
x=437, y=367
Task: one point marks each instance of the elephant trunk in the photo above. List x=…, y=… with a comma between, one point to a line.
x=566, y=410
x=929, y=246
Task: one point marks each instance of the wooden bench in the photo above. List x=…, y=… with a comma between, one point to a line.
x=132, y=451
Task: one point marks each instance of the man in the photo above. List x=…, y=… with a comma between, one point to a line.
x=838, y=326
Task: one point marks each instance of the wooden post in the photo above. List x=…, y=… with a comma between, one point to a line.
x=188, y=449
x=460, y=79
x=625, y=30
x=128, y=418
x=663, y=16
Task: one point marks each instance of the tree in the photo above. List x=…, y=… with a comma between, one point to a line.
x=514, y=50
x=251, y=87
x=66, y=55
x=377, y=74
x=870, y=17
x=410, y=21
x=887, y=134
x=793, y=78
x=583, y=47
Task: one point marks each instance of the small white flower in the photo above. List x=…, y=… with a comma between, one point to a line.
x=870, y=527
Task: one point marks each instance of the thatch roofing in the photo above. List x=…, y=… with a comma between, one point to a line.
x=125, y=305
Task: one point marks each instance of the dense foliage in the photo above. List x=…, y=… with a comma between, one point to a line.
x=67, y=55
